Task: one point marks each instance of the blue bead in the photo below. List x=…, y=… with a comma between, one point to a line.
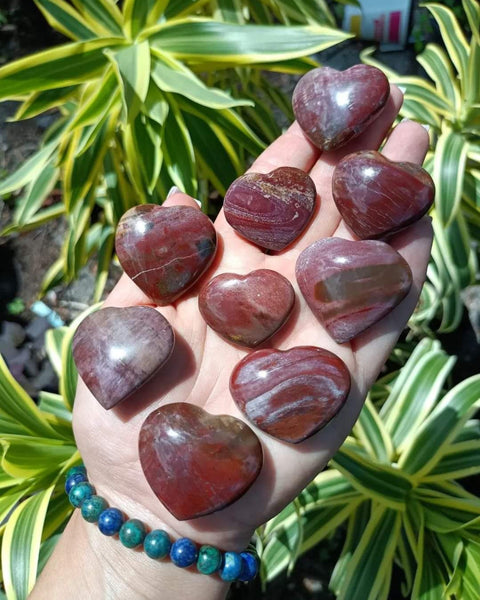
x=231, y=567
x=110, y=521
x=77, y=469
x=249, y=567
x=183, y=553
x=73, y=480
x=157, y=544
x=80, y=492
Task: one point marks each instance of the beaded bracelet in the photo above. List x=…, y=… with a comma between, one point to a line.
x=230, y=566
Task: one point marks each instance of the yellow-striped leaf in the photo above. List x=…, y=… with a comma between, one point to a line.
x=62, y=17
x=205, y=40
x=448, y=173
x=21, y=545
x=25, y=456
x=30, y=170
x=459, y=460
x=373, y=435
x=439, y=68
x=96, y=100
x=472, y=10
x=139, y=14
x=39, y=102
x=37, y=191
x=61, y=66
x=103, y=13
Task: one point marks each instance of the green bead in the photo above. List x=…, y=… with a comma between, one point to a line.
x=209, y=560
x=74, y=470
x=157, y=544
x=132, y=533
x=80, y=492
x=92, y=507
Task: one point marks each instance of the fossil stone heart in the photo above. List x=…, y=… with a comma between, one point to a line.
x=197, y=463
x=247, y=309
x=164, y=250
x=332, y=107
x=271, y=209
x=290, y=394
x=117, y=350
x=377, y=197
x=351, y=285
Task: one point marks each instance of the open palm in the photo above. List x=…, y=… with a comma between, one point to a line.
x=199, y=369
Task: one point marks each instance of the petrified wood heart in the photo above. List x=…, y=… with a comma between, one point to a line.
x=332, y=107
x=291, y=394
x=377, y=197
x=197, y=463
x=351, y=285
x=271, y=209
x=247, y=309
x=164, y=250
x=117, y=350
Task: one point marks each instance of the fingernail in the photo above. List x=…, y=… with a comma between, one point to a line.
x=173, y=190
x=402, y=89
x=405, y=120
x=425, y=126
x=198, y=202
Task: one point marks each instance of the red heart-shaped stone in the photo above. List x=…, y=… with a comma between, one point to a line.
x=117, y=350
x=197, y=463
x=290, y=394
x=271, y=209
x=351, y=285
x=377, y=197
x=165, y=249
x=247, y=309
x=332, y=107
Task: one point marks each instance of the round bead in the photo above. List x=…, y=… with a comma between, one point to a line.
x=80, y=492
x=77, y=469
x=92, y=507
x=249, y=566
x=209, y=560
x=231, y=567
x=110, y=521
x=73, y=480
x=157, y=544
x=132, y=533
x=183, y=552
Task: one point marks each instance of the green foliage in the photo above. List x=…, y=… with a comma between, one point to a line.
x=37, y=447
x=450, y=105
x=394, y=486
x=153, y=94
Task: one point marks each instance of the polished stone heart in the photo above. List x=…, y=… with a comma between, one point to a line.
x=333, y=107
x=271, y=210
x=165, y=250
x=117, y=350
x=291, y=394
x=377, y=197
x=247, y=309
x=351, y=285
x=197, y=463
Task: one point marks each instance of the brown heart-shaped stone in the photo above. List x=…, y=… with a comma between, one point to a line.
x=290, y=394
x=165, y=249
x=351, y=285
x=333, y=107
x=197, y=463
x=271, y=210
x=117, y=350
x=377, y=197
x=247, y=309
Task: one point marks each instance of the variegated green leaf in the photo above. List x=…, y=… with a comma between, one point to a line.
x=21, y=545
x=204, y=40
x=30, y=170
x=97, y=99
x=448, y=173
x=104, y=260
x=103, y=14
x=426, y=447
x=460, y=460
x=439, y=68
x=35, y=194
x=372, y=433
x=62, y=17
x=138, y=14
x=429, y=581
x=472, y=10
x=39, y=102
x=61, y=66
x=25, y=456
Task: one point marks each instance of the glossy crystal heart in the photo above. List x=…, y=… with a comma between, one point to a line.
x=197, y=463
x=290, y=394
x=247, y=309
x=271, y=210
x=377, y=197
x=351, y=285
x=165, y=250
x=117, y=350
x=333, y=107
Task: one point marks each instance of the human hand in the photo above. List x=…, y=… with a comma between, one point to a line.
x=199, y=369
